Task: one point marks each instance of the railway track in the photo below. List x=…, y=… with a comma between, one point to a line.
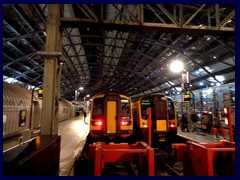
x=165, y=164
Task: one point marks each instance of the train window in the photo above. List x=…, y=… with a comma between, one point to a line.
x=145, y=103
x=98, y=107
x=125, y=108
x=22, y=117
x=160, y=109
x=171, y=110
x=144, y=112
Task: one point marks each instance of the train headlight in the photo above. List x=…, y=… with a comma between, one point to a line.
x=145, y=125
x=172, y=124
x=97, y=122
x=125, y=123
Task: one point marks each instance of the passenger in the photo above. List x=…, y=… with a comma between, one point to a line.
x=194, y=121
x=77, y=113
x=85, y=115
x=218, y=126
x=206, y=121
x=184, y=121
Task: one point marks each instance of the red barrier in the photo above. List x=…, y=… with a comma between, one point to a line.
x=102, y=153
x=207, y=159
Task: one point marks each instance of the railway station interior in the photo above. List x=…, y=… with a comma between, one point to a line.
x=163, y=75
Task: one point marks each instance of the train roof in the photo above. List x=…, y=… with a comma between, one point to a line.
x=102, y=94
x=153, y=94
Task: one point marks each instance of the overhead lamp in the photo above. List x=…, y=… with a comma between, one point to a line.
x=220, y=78
x=176, y=66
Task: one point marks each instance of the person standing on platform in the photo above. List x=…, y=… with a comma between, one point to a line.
x=85, y=115
x=184, y=122
x=77, y=113
x=206, y=121
x=218, y=127
x=194, y=120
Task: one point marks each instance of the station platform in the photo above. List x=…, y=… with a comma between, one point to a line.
x=73, y=136
x=200, y=136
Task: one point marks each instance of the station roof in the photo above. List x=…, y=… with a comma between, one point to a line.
x=123, y=47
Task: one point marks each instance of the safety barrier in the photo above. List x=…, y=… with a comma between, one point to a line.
x=207, y=159
x=102, y=153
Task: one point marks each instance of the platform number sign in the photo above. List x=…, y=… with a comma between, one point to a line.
x=187, y=97
x=40, y=93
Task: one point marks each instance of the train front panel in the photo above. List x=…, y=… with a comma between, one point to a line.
x=164, y=119
x=111, y=116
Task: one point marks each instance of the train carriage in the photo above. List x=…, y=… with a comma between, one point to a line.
x=111, y=117
x=164, y=117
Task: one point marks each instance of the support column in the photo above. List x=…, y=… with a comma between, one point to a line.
x=52, y=72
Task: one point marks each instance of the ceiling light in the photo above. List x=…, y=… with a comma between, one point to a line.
x=179, y=88
x=176, y=66
x=197, y=72
x=220, y=78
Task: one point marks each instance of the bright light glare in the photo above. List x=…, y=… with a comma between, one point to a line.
x=176, y=66
x=220, y=78
x=10, y=80
x=99, y=123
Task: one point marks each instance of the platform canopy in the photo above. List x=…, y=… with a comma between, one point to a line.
x=123, y=47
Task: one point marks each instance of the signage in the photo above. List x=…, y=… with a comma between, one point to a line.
x=187, y=97
x=40, y=93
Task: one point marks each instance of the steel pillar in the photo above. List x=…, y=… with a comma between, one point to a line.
x=52, y=72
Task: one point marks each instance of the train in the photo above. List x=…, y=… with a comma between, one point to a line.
x=117, y=122
x=163, y=116
x=22, y=110
x=111, y=118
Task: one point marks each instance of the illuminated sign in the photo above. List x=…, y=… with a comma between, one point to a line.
x=187, y=97
x=40, y=93
x=145, y=103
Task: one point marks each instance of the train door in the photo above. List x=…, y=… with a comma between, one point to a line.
x=160, y=112
x=111, y=117
x=112, y=110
